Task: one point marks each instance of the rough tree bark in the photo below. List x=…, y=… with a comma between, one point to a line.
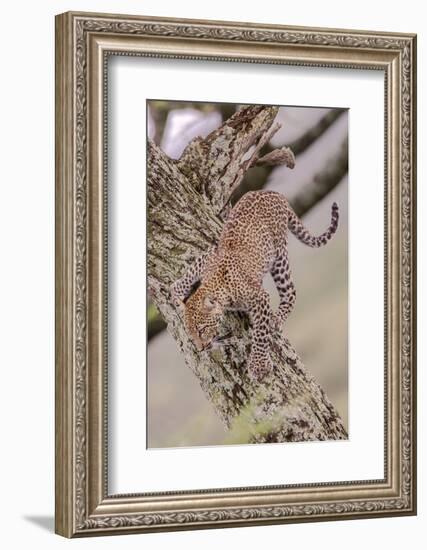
x=188, y=200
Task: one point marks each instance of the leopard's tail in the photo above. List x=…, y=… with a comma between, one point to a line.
x=298, y=229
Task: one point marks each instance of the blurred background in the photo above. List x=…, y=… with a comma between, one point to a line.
x=178, y=413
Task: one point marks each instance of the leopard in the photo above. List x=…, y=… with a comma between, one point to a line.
x=253, y=242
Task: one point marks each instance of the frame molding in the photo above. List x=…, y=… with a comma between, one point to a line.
x=83, y=42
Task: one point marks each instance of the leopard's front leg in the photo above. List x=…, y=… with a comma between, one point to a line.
x=260, y=314
x=181, y=288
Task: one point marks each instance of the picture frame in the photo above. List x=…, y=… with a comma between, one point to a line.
x=84, y=505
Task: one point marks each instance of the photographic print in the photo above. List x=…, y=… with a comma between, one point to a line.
x=247, y=240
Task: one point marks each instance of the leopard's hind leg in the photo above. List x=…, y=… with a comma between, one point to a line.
x=282, y=277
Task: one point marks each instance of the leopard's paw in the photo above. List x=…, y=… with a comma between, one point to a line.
x=276, y=323
x=176, y=296
x=259, y=367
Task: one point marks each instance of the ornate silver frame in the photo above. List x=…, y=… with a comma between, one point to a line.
x=83, y=505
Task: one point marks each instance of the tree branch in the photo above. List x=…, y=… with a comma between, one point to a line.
x=309, y=137
x=257, y=177
x=323, y=182
x=185, y=200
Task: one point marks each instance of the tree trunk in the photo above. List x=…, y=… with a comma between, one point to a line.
x=188, y=200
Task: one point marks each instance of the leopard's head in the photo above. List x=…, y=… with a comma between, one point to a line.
x=201, y=317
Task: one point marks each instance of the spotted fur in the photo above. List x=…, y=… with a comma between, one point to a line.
x=253, y=242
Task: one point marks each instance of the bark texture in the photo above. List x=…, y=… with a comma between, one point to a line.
x=188, y=200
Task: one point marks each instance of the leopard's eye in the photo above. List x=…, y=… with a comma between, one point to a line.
x=209, y=303
x=203, y=330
